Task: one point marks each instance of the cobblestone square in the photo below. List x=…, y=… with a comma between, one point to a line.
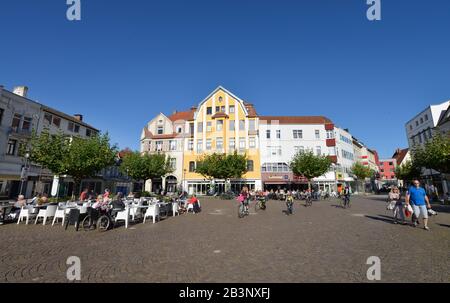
x=323, y=243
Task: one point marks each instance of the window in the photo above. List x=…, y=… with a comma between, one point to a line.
x=11, y=150
x=217, y=109
x=48, y=118
x=250, y=165
x=241, y=143
x=274, y=151
x=209, y=110
x=26, y=123
x=330, y=134
x=222, y=109
x=191, y=128
x=200, y=127
x=173, y=163
x=70, y=126
x=56, y=121
x=317, y=134
x=208, y=144
x=179, y=129
x=425, y=136
x=426, y=117
x=160, y=130
x=241, y=124
x=208, y=126
x=268, y=134
x=417, y=123
x=420, y=138
x=159, y=145
x=318, y=150
x=430, y=135
x=251, y=125
x=275, y=167
x=219, y=144
x=252, y=142
x=231, y=109
x=278, y=134
x=2, y=111
x=199, y=146
x=191, y=145
x=88, y=132
x=191, y=166
x=232, y=144
x=16, y=121
x=232, y=125
x=421, y=120
x=299, y=149
x=410, y=127
x=298, y=134
x=173, y=145
x=76, y=128
x=219, y=125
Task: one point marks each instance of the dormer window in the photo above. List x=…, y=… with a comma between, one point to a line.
x=160, y=130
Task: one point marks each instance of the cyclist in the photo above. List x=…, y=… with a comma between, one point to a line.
x=346, y=194
x=289, y=203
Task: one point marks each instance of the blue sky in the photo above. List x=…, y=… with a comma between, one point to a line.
x=126, y=61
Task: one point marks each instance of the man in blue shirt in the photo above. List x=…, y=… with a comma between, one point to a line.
x=418, y=199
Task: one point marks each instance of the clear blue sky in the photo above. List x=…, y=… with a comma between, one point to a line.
x=126, y=61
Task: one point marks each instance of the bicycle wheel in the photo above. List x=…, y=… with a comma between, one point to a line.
x=87, y=222
x=103, y=223
x=241, y=210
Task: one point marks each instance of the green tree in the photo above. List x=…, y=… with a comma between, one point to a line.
x=87, y=157
x=408, y=171
x=309, y=165
x=435, y=154
x=142, y=167
x=73, y=156
x=361, y=172
x=222, y=166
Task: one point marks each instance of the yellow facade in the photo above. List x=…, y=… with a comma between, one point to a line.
x=213, y=132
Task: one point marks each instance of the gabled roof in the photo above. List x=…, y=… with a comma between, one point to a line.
x=400, y=155
x=229, y=93
x=445, y=117
x=295, y=119
x=185, y=115
x=148, y=135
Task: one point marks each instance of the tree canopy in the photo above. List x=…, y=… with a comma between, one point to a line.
x=360, y=171
x=435, y=154
x=309, y=165
x=147, y=166
x=77, y=157
x=222, y=166
x=408, y=171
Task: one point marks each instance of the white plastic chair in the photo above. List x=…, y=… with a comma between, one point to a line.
x=123, y=215
x=175, y=209
x=46, y=213
x=152, y=211
x=24, y=213
x=134, y=211
x=59, y=214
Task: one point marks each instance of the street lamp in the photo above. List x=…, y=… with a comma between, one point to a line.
x=24, y=173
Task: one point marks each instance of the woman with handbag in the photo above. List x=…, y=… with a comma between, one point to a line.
x=396, y=205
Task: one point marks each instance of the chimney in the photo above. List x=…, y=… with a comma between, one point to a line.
x=78, y=117
x=21, y=91
x=174, y=112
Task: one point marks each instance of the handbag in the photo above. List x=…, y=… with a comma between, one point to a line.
x=391, y=205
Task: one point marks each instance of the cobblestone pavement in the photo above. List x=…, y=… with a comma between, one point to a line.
x=322, y=243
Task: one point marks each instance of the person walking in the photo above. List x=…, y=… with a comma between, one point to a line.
x=395, y=199
x=418, y=199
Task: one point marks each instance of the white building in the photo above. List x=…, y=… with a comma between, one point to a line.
x=345, y=155
x=421, y=128
x=19, y=116
x=281, y=138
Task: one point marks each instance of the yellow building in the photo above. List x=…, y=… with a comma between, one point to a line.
x=222, y=123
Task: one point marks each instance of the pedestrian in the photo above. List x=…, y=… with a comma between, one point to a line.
x=418, y=199
x=289, y=203
x=106, y=193
x=398, y=209
x=84, y=194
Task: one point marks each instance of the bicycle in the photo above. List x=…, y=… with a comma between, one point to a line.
x=243, y=209
x=100, y=219
x=260, y=204
x=308, y=201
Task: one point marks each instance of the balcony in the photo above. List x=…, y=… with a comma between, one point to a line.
x=19, y=132
x=333, y=159
x=331, y=142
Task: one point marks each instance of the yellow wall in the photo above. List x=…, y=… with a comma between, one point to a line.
x=226, y=134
